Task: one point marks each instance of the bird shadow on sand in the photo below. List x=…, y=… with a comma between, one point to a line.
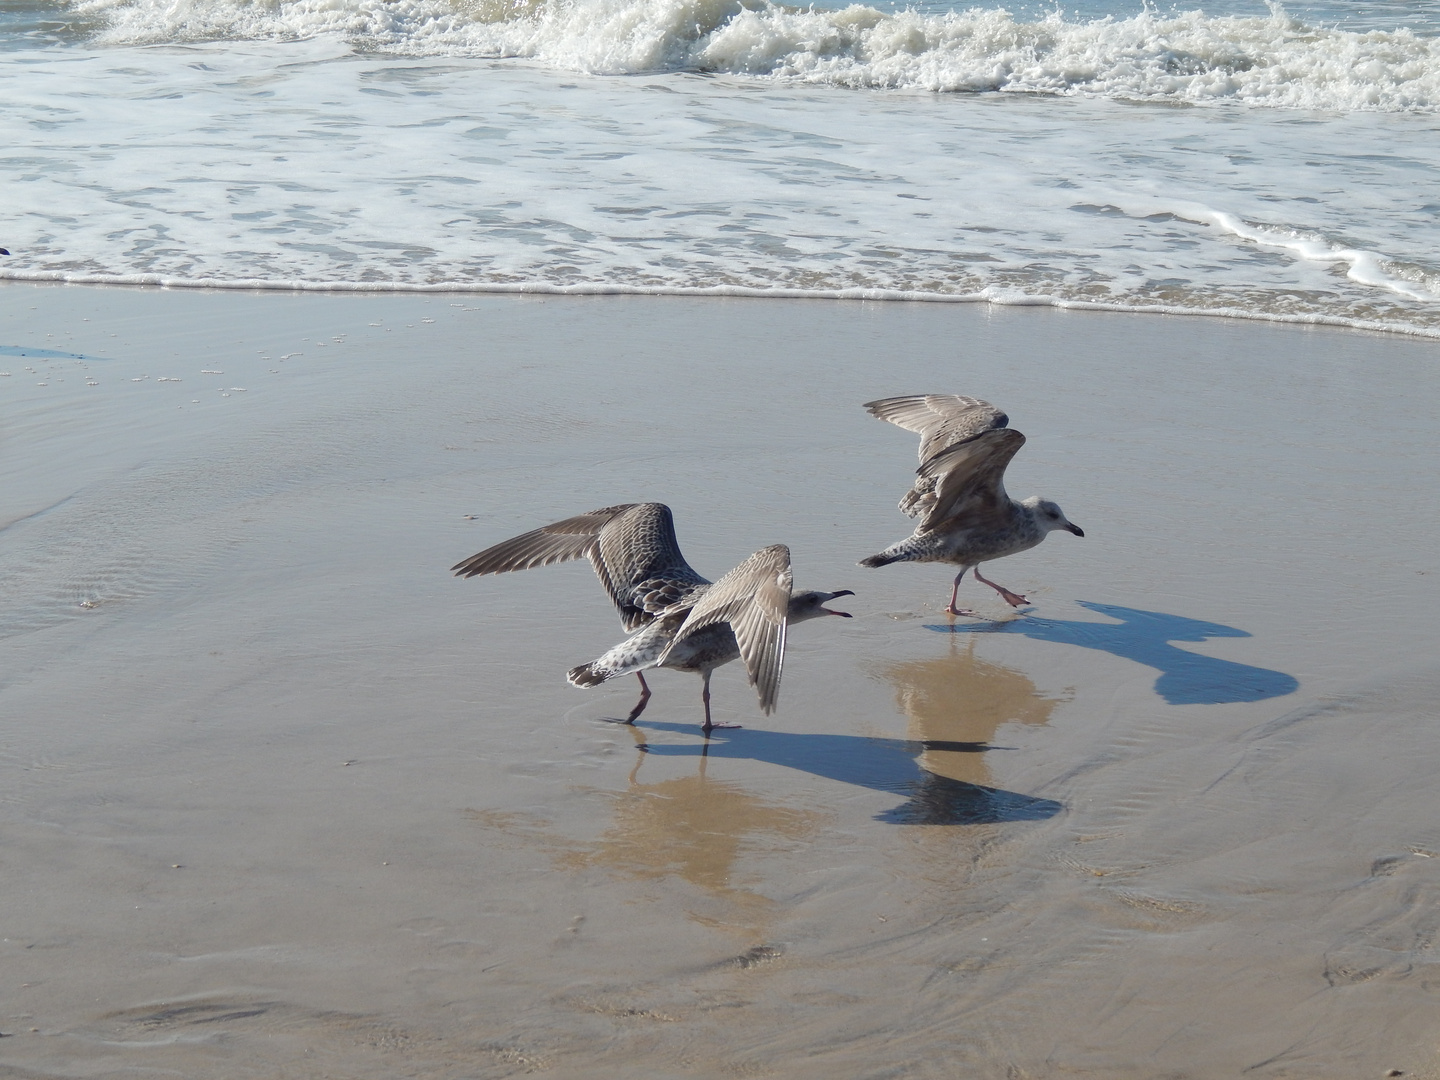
x=887, y=765
x=1186, y=678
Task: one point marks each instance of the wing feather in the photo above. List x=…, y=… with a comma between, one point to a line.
x=969, y=481
x=558, y=542
x=941, y=420
x=632, y=548
x=754, y=599
x=639, y=562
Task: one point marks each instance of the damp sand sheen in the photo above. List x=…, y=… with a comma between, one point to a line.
x=283, y=798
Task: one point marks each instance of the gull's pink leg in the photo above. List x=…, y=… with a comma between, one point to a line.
x=1013, y=599
x=639, y=705
x=705, y=697
x=952, y=609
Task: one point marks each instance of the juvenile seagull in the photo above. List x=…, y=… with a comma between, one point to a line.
x=677, y=618
x=959, y=495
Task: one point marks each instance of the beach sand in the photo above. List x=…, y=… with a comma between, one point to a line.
x=280, y=797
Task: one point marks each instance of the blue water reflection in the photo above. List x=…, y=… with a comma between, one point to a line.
x=43, y=354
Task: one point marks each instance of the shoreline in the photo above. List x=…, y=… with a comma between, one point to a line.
x=994, y=297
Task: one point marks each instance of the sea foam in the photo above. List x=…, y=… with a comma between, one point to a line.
x=1191, y=58
x=308, y=146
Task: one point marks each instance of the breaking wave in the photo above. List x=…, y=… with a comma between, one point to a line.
x=1271, y=61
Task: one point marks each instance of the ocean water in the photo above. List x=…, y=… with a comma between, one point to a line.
x=1258, y=161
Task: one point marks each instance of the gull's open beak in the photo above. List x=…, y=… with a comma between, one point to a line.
x=1075, y=528
x=842, y=614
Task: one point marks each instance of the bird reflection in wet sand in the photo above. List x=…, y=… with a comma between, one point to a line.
x=966, y=517
x=677, y=618
x=955, y=704
x=699, y=830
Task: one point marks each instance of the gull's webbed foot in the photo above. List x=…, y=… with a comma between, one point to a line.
x=1013, y=599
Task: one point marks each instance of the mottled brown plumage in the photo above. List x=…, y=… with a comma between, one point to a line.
x=966, y=516
x=632, y=548
x=678, y=619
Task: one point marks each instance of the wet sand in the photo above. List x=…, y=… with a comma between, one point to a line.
x=281, y=798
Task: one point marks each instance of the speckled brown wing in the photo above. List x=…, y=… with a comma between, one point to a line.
x=754, y=599
x=639, y=562
x=632, y=547
x=941, y=420
x=558, y=542
x=969, y=482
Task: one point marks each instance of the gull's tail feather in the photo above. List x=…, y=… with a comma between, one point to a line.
x=911, y=549
x=587, y=675
x=636, y=653
x=885, y=558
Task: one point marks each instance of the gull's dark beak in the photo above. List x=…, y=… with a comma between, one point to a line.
x=1075, y=528
x=842, y=614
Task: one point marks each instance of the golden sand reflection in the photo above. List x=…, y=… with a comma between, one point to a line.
x=959, y=698
x=698, y=829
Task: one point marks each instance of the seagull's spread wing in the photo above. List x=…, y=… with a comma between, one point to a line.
x=632, y=547
x=564, y=540
x=640, y=565
x=969, y=481
x=941, y=420
x=754, y=599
